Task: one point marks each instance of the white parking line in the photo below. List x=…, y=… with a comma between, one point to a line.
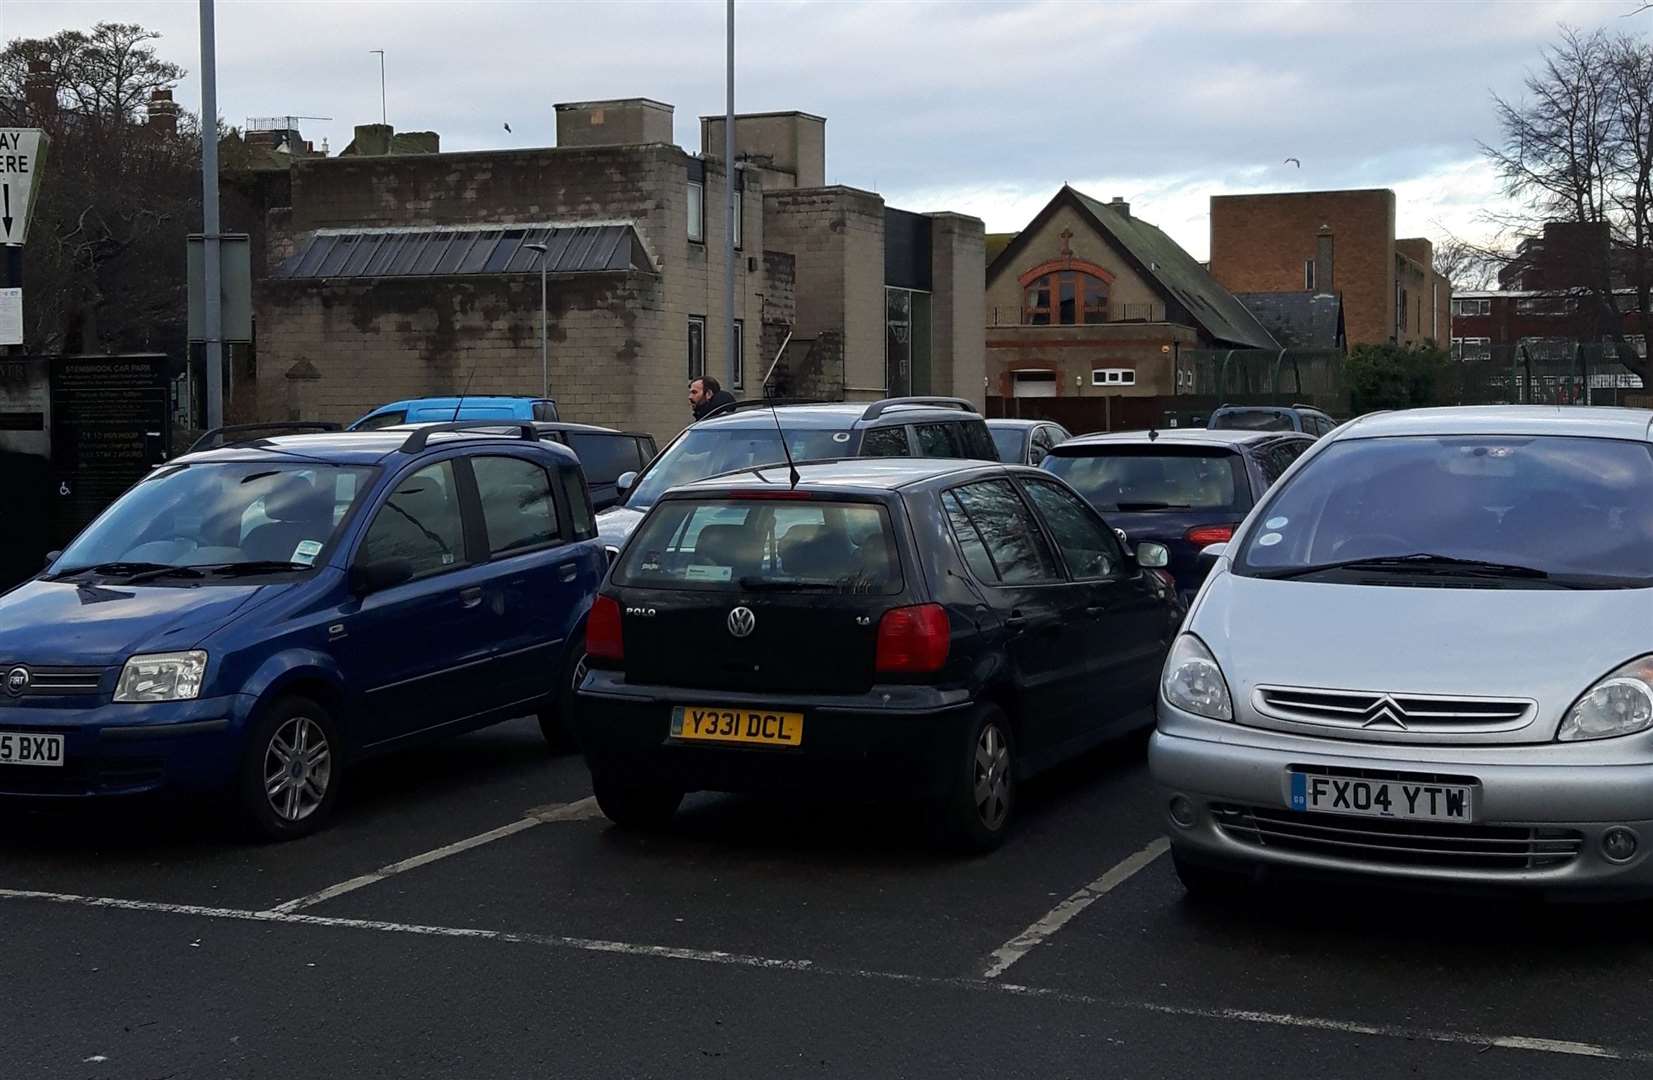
x=1522, y=1043
x=1063, y=913
x=575, y=811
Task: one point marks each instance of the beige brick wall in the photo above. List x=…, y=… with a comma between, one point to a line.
x=957, y=311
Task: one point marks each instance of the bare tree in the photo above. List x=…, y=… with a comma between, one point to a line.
x=1467, y=265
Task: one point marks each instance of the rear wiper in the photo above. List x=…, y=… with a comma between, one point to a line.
x=1421, y=562
x=757, y=584
x=1129, y=506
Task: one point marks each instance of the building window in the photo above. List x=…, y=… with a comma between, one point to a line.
x=697, y=346
x=697, y=212
x=1308, y=274
x=737, y=358
x=906, y=342
x=1079, y=297
x=1113, y=376
x=1472, y=348
x=1545, y=305
x=1478, y=306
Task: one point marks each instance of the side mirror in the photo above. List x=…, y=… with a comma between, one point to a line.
x=1152, y=556
x=378, y=576
x=1123, y=539
x=623, y=484
x=53, y=556
x=1211, y=555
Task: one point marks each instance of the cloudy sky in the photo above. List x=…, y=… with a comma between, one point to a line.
x=982, y=107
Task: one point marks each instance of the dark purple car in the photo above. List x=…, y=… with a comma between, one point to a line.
x=1184, y=487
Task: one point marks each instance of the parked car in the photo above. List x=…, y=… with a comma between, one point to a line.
x=1426, y=657
x=1026, y=442
x=256, y=617
x=605, y=455
x=432, y=410
x=1185, y=488
x=748, y=434
x=1303, y=418
x=934, y=629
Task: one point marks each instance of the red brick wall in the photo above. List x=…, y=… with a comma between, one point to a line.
x=1260, y=242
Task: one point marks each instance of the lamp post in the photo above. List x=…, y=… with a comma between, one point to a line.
x=545, y=366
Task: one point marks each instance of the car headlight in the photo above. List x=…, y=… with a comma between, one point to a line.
x=1194, y=683
x=172, y=676
x=1620, y=704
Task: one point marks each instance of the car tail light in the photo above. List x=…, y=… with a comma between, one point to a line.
x=1210, y=534
x=604, y=640
x=914, y=639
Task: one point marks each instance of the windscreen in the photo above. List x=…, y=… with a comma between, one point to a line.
x=1131, y=478
x=1562, y=505
x=1252, y=420
x=229, y=513
x=711, y=451
x=735, y=544
x=1008, y=442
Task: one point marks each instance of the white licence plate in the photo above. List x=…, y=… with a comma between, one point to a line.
x=1418, y=799
x=22, y=748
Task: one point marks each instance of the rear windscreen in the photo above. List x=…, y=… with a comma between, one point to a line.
x=734, y=544
x=1252, y=420
x=1130, y=478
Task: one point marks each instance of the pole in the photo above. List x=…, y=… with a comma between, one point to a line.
x=383, y=114
x=545, y=364
x=729, y=198
x=214, y=328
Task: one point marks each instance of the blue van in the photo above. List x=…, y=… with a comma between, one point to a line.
x=252, y=618
x=444, y=409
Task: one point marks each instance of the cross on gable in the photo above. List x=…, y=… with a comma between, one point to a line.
x=1066, y=235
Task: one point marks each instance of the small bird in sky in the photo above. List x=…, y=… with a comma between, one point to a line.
x=1288, y=161
x=507, y=127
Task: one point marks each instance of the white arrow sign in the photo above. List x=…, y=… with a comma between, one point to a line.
x=22, y=153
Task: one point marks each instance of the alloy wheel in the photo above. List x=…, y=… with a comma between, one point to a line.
x=298, y=764
x=992, y=777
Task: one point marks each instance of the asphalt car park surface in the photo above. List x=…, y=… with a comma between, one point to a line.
x=470, y=914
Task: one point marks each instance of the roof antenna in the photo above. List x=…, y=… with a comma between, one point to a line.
x=791, y=468
x=461, y=402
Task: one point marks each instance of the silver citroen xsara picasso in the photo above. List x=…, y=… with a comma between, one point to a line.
x=1427, y=654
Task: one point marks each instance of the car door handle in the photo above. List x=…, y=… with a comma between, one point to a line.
x=567, y=571
x=1096, y=609
x=470, y=598
x=1017, y=622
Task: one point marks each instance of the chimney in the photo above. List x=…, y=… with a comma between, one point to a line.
x=1323, y=260
x=40, y=91
x=619, y=122
x=1123, y=207
x=163, y=113
x=373, y=140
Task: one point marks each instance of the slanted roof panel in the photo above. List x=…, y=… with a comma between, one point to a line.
x=466, y=251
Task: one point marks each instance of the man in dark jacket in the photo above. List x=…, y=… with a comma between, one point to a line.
x=707, y=395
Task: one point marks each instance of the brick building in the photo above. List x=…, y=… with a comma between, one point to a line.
x=1340, y=242
x=398, y=274
x=1091, y=300
x=1547, y=323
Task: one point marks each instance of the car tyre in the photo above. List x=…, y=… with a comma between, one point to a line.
x=1205, y=882
x=557, y=721
x=291, y=771
x=634, y=804
x=976, y=812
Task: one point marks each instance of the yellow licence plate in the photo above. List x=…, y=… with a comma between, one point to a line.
x=753, y=726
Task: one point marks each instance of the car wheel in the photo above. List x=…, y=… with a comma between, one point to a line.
x=633, y=804
x=291, y=772
x=1203, y=881
x=975, y=814
x=557, y=718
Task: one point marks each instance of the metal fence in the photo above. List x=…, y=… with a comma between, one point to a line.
x=1266, y=376
x=1547, y=373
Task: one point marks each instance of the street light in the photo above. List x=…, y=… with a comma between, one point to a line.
x=545, y=368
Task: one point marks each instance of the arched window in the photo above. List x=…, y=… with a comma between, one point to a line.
x=1066, y=298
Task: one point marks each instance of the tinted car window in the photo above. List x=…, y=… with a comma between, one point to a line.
x=545, y=410
x=939, y=440
x=1014, y=543
x=736, y=544
x=885, y=442
x=419, y=522
x=1253, y=420
x=1567, y=506
x=382, y=420
x=969, y=539
x=978, y=441
x=517, y=507
x=1090, y=548
x=1008, y=442
x=604, y=457
x=1276, y=457
x=1129, y=478
x=710, y=451
x=579, y=503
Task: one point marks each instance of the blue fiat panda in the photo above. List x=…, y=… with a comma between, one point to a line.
x=253, y=618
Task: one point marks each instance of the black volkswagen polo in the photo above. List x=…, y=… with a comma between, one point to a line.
x=931, y=629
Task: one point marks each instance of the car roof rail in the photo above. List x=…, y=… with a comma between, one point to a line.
x=218, y=436
x=879, y=408
x=1305, y=405
x=729, y=407
x=520, y=429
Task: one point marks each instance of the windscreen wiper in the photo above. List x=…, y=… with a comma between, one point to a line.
x=255, y=566
x=1419, y=563
x=132, y=571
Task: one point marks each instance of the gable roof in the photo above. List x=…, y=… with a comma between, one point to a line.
x=1298, y=320
x=1161, y=261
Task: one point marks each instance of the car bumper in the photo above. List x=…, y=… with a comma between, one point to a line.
x=892, y=741
x=1235, y=783
x=117, y=750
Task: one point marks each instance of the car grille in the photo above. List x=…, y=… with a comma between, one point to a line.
x=1374, y=711
x=83, y=777
x=1400, y=843
x=52, y=681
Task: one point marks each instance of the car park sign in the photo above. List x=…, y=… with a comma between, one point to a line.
x=22, y=154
